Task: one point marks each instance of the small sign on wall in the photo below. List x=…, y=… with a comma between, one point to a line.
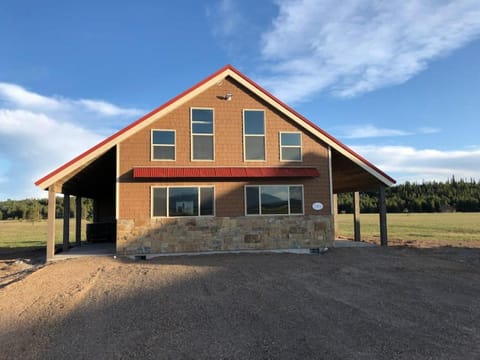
x=317, y=206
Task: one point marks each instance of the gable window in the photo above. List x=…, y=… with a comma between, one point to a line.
x=254, y=135
x=163, y=144
x=182, y=201
x=273, y=199
x=201, y=124
x=290, y=146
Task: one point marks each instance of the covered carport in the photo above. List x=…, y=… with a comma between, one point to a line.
x=351, y=177
x=96, y=180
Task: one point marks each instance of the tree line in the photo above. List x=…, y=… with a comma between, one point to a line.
x=453, y=195
x=37, y=209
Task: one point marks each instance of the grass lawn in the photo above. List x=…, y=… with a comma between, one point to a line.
x=16, y=233
x=457, y=229
x=461, y=229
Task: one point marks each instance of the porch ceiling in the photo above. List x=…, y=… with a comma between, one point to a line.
x=95, y=180
x=349, y=177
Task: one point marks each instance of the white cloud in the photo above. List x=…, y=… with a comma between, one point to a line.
x=34, y=144
x=359, y=46
x=428, y=130
x=369, y=131
x=18, y=97
x=236, y=32
x=372, y=131
x=105, y=108
x=225, y=18
x=408, y=163
x=39, y=133
x=43, y=133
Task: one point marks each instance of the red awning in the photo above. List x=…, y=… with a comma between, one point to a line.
x=223, y=172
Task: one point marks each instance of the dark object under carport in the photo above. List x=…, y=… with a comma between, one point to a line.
x=101, y=232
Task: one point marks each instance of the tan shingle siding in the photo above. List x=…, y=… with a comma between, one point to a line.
x=135, y=151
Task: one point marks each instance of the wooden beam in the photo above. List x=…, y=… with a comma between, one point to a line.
x=382, y=205
x=78, y=220
x=342, y=185
x=335, y=215
x=51, y=223
x=66, y=221
x=356, y=216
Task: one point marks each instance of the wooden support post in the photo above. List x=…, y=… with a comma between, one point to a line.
x=356, y=216
x=382, y=206
x=51, y=223
x=78, y=220
x=66, y=221
x=335, y=215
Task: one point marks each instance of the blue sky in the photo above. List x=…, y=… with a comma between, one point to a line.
x=398, y=81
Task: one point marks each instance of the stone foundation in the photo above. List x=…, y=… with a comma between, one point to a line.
x=171, y=235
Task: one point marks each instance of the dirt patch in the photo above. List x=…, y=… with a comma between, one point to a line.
x=16, y=263
x=15, y=270
x=366, y=303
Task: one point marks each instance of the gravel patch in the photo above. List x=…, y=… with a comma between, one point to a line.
x=350, y=303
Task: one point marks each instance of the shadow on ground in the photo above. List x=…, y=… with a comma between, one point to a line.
x=349, y=304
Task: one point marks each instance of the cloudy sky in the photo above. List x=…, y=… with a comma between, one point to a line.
x=398, y=81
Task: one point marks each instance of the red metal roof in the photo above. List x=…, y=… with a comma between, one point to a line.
x=223, y=172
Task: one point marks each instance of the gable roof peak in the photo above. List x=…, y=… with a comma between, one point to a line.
x=227, y=70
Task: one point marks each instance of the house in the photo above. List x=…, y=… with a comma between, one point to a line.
x=223, y=166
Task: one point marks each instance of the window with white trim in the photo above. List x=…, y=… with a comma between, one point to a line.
x=202, y=131
x=274, y=199
x=254, y=135
x=163, y=144
x=290, y=146
x=183, y=201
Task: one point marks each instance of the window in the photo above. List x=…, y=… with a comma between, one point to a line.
x=290, y=146
x=202, y=134
x=163, y=144
x=182, y=201
x=273, y=199
x=254, y=135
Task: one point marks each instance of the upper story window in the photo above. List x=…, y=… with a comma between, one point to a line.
x=163, y=144
x=290, y=146
x=202, y=131
x=254, y=135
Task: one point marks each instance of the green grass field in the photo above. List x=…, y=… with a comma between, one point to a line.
x=15, y=233
x=456, y=229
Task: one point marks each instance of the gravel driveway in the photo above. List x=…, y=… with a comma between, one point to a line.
x=366, y=303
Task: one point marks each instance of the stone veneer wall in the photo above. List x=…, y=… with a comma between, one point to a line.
x=170, y=235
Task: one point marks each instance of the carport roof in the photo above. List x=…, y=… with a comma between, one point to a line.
x=65, y=171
